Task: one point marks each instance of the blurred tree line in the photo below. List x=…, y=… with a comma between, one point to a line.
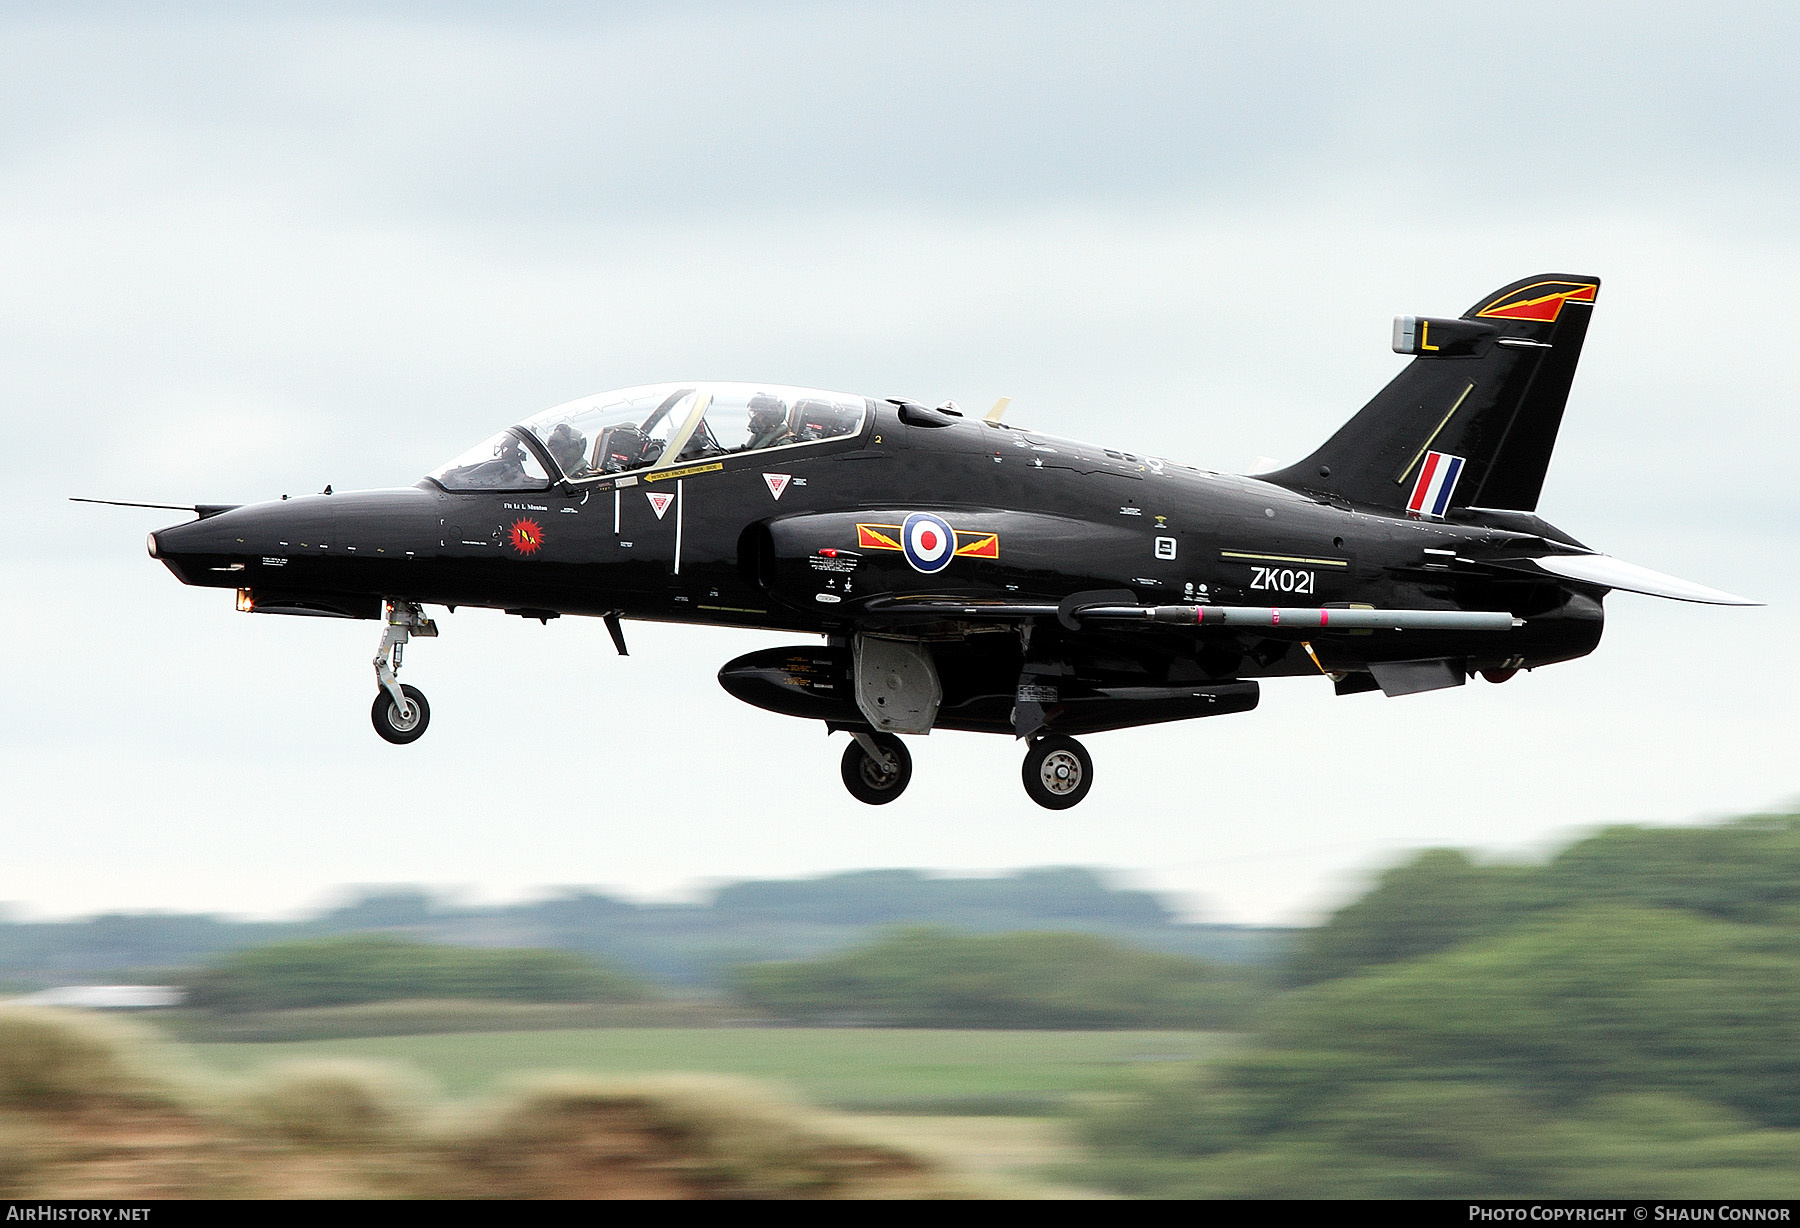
x=373, y=968
x=1747, y=871
x=693, y=944
x=1621, y=1020
x=934, y=977
x=927, y=976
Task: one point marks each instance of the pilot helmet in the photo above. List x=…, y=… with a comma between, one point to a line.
x=766, y=411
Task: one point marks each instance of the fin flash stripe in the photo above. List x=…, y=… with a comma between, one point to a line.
x=1543, y=308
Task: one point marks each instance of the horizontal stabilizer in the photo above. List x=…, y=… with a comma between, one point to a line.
x=1603, y=569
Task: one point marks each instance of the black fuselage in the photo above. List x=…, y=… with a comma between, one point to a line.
x=806, y=540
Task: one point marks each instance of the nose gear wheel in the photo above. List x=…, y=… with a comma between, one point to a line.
x=397, y=726
x=1057, y=772
x=876, y=778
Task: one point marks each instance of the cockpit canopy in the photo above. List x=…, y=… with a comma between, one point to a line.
x=656, y=425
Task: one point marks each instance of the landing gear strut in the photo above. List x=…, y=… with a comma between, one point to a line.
x=1057, y=772
x=877, y=767
x=400, y=712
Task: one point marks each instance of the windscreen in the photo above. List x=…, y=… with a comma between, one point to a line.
x=503, y=462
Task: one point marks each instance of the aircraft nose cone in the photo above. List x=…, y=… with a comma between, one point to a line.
x=192, y=550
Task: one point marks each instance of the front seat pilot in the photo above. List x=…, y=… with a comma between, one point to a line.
x=768, y=422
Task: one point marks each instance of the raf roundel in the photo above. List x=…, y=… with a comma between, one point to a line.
x=929, y=543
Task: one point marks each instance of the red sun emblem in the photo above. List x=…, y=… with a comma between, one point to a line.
x=527, y=536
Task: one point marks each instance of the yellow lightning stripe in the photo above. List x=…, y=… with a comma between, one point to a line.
x=1582, y=293
x=877, y=536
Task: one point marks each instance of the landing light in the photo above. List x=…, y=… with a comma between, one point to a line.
x=150, y=544
x=246, y=601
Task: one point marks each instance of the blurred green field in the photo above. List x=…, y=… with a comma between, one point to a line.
x=869, y=1069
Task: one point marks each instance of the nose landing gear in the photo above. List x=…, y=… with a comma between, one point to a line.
x=1057, y=772
x=400, y=713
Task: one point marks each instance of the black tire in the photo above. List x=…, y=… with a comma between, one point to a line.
x=391, y=725
x=1057, y=772
x=867, y=781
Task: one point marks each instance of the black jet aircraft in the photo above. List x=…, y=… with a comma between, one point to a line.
x=966, y=573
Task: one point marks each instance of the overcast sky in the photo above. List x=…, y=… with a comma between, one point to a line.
x=244, y=253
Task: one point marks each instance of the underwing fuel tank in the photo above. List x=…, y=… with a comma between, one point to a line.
x=809, y=681
x=817, y=682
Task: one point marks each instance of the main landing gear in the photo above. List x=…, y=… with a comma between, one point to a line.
x=1057, y=771
x=400, y=712
x=877, y=768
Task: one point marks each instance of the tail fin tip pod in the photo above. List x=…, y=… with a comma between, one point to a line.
x=1472, y=420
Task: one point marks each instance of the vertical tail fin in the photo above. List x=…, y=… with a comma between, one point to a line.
x=1471, y=421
